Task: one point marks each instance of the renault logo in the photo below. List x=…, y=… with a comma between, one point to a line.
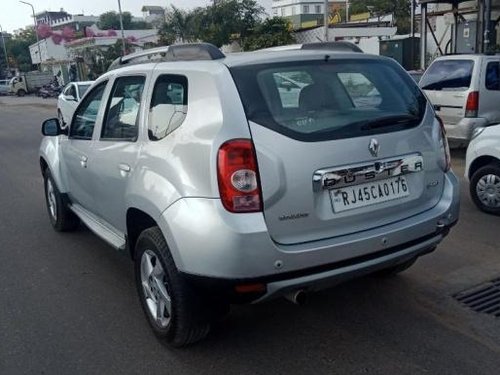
x=374, y=147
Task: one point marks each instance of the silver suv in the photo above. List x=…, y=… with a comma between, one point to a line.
x=248, y=177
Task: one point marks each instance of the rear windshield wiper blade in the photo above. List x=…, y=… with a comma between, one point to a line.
x=388, y=121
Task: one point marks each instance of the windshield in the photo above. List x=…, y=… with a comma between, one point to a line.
x=82, y=89
x=449, y=75
x=320, y=100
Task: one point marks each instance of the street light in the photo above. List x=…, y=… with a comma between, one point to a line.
x=36, y=33
x=121, y=27
x=5, y=50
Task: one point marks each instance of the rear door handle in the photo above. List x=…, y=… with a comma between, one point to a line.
x=124, y=167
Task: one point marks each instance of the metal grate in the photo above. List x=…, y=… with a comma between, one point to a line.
x=484, y=298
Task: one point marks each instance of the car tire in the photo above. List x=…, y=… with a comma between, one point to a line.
x=484, y=188
x=21, y=92
x=176, y=313
x=61, y=217
x=398, y=268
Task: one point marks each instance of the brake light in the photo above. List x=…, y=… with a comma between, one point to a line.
x=472, y=105
x=237, y=174
x=444, y=146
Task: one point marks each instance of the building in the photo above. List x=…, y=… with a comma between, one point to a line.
x=308, y=13
x=50, y=16
x=153, y=13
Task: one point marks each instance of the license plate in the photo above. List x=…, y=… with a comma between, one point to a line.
x=350, y=197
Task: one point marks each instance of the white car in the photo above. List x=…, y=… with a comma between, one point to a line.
x=69, y=98
x=482, y=169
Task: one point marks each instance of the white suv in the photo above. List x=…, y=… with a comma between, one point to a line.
x=482, y=169
x=465, y=92
x=228, y=185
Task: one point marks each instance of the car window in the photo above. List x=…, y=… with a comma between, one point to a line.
x=82, y=89
x=122, y=111
x=66, y=89
x=340, y=100
x=448, y=75
x=169, y=105
x=493, y=76
x=360, y=89
x=72, y=91
x=289, y=85
x=85, y=116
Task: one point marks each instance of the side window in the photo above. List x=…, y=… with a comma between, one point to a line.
x=493, y=76
x=361, y=90
x=85, y=116
x=71, y=91
x=122, y=111
x=290, y=84
x=169, y=106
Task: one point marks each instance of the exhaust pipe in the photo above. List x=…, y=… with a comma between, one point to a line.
x=297, y=297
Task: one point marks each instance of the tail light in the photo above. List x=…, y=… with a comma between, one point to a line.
x=444, y=147
x=472, y=105
x=238, y=176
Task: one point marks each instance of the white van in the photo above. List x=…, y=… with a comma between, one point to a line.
x=465, y=92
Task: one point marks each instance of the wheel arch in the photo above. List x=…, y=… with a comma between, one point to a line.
x=481, y=162
x=137, y=222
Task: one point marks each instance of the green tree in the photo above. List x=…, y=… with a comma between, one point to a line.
x=269, y=33
x=111, y=20
x=218, y=24
x=178, y=27
x=399, y=8
x=18, y=50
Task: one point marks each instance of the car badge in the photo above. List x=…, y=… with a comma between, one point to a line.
x=374, y=147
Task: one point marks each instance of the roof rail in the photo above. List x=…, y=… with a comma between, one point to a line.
x=175, y=52
x=341, y=45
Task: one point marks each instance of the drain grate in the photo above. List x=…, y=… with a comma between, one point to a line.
x=484, y=298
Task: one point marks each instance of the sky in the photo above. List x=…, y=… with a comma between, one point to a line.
x=15, y=15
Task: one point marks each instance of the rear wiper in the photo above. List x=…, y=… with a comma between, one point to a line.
x=394, y=120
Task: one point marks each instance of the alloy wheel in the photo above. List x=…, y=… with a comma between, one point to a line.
x=488, y=190
x=154, y=285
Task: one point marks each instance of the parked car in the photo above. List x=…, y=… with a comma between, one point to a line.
x=69, y=99
x=482, y=169
x=465, y=92
x=223, y=192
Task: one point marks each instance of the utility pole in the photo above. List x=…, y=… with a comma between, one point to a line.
x=36, y=33
x=326, y=14
x=121, y=28
x=5, y=49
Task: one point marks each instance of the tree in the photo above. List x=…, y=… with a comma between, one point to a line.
x=18, y=49
x=218, y=24
x=269, y=33
x=177, y=28
x=111, y=20
x=399, y=8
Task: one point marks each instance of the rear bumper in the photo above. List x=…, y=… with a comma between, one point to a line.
x=462, y=131
x=216, y=248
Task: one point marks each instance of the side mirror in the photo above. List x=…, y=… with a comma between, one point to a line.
x=70, y=98
x=52, y=127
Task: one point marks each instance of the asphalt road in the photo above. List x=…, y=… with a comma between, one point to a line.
x=68, y=303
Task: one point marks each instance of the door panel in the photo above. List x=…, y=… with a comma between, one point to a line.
x=77, y=150
x=117, y=150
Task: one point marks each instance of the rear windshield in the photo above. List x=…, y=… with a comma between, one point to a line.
x=448, y=75
x=322, y=100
